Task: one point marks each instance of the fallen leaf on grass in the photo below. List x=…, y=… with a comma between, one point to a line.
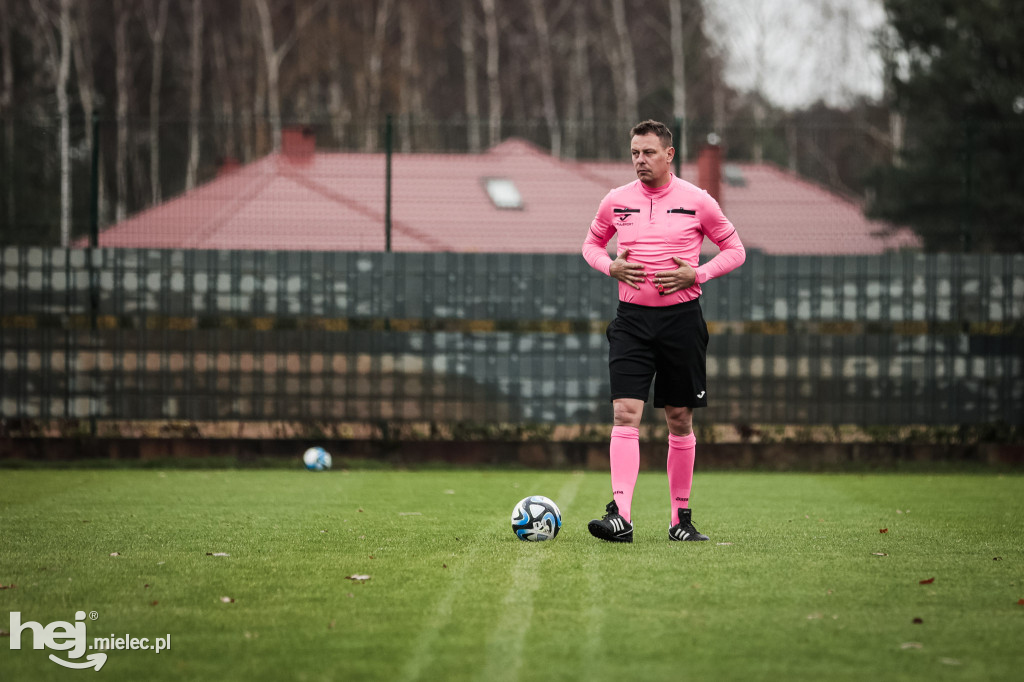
x=227, y=600
x=1020, y=602
x=154, y=603
x=997, y=558
x=7, y=587
x=115, y=554
x=444, y=565
x=928, y=581
x=217, y=554
x=883, y=530
x=911, y=645
x=917, y=621
x=4, y=633
x=357, y=577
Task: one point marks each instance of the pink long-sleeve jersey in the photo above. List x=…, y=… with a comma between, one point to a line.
x=657, y=224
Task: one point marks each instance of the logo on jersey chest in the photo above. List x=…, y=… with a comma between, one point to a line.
x=623, y=215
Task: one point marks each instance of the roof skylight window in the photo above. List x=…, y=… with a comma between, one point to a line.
x=503, y=193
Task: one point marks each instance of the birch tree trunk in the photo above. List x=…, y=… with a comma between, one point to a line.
x=677, y=41
x=195, y=99
x=122, y=76
x=580, y=86
x=375, y=63
x=156, y=24
x=546, y=66
x=469, y=71
x=493, y=74
x=626, y=62
x=411, y=94
x=81, y=45
x=338, y=112
x=273, y=55
x=272, y=63
x=59, y=65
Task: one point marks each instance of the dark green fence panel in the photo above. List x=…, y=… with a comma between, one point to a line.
x=128, y=334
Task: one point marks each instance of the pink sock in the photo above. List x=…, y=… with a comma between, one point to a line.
x=681, y=451
x=624, y=453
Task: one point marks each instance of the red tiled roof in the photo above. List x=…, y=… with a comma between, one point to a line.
x=335, y=201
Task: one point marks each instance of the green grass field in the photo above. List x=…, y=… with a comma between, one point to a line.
x=797, y=582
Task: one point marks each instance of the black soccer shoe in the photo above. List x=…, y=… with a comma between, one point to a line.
x=684, y=530
x=612, y=527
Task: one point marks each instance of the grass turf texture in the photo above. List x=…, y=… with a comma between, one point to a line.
x=795, y=590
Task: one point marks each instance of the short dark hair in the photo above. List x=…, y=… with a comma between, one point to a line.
x=657, y=128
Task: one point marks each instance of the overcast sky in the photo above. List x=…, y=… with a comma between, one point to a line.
x=800, y=51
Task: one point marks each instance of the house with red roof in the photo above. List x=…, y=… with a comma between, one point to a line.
x=512, y=198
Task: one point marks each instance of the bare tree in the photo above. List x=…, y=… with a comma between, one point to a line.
x=224, y=114
x=123, y=78
x=339, y=112
x=624, y=64
x=469, y=71
x=156, y=25
x=81, y=45
x=375, y=65
x=6, y=100
x=59, y=66
x=411, y=94
x=195, y=99
x=274, y=54
x=546, y=66
x=580, y=86
x=493, y=75
x=677, y=41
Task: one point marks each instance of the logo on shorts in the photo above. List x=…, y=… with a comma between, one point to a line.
x=700, y=395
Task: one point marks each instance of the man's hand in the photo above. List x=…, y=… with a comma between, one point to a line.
x=672, y=281
x=630, y=273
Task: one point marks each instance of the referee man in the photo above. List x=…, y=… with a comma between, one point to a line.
x=658, y=334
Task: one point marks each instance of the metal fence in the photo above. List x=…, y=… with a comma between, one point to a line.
x=126, y=334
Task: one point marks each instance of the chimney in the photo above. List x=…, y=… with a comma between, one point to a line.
x=709, y=168
x=227, y=164
x=298, y=143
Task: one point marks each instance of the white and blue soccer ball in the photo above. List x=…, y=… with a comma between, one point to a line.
x=536, y=518
x=317, y=459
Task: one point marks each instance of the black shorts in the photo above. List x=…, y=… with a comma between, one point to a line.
x=669, y=342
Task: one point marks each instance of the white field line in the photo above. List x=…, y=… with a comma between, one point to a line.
x=507, y=641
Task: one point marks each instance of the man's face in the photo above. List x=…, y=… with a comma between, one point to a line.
x=651, y=160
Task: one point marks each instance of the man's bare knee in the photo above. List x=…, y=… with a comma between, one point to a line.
x=679, y=420
x=628, y=412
